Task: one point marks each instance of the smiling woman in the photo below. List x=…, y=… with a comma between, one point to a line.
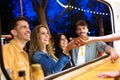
x=42, y=53
x=60, y=44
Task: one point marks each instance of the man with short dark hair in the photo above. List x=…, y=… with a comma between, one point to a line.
x=15, y=58
x=89, y=52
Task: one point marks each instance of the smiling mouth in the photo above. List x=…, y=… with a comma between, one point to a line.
x=27, y=34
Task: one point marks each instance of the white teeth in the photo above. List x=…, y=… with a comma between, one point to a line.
x=27, y=34
x=46, y=39
x=65, y=43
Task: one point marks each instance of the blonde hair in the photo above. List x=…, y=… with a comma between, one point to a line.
x=36, y=44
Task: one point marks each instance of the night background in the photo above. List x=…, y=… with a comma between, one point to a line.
x=59, y=18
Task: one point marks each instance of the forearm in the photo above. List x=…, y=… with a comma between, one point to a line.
x=63, y=60
x=110, y=51
x=108, y=38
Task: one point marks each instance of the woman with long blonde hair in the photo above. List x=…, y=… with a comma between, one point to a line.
x=38, y=45
x=41, y=51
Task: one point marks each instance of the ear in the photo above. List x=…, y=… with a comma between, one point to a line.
x=13, y=32
x=87, y=30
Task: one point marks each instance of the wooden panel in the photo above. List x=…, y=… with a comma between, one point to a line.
x=89, y=71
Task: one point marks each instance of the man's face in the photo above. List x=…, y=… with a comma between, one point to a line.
x=81, y=30
x=22, y=31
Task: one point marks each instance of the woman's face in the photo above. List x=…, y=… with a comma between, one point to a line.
x=44, y=36
x=63, y=42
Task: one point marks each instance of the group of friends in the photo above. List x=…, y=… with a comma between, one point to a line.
x=55, y=57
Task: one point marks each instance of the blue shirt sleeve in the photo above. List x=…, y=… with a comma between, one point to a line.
x=48, y=64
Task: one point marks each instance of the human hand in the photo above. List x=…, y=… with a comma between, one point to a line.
x=114, y=56
x=86, y=41
x=110, y=74
x=74, y=43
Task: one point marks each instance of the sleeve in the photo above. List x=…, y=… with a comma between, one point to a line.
x=48, y=63
x=102, y=46
x=8, y=59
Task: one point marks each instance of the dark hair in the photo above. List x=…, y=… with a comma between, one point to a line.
x=13, y=23
x=81, y=23
x=58, y=50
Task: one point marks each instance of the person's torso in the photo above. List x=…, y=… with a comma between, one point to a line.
x=16, y=62
x=91, y=53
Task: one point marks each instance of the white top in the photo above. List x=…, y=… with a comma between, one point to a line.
x=81, y=55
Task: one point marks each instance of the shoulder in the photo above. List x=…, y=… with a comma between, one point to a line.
x=8, y=48
x=38, y=54
x=6, y=45
x=101, y=42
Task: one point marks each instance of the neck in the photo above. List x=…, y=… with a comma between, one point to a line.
x=63, y=48
x=44, y=49
x=20, y=43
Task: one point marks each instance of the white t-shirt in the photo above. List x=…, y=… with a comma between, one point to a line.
x=81, y=55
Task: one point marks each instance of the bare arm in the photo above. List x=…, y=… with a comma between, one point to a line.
x=110, y=74
x=113, y=54
x=107, y=38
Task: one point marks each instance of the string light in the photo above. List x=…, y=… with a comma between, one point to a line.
x=88, y=11
x=80, y=9
x=91, y=11
x=75, y=7
x=69, y=6
x=84, y=10
x=72, y=6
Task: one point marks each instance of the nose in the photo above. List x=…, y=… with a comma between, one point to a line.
x=82, y=30
x=28, y=30
x=65, y=40
x=47, y=35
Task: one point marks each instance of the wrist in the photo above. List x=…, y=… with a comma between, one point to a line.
x=65, y=51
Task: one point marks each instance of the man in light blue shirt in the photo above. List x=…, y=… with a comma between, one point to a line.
x=91, y=50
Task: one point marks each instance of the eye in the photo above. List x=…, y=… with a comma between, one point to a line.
x=24, y=26
x=42, y=33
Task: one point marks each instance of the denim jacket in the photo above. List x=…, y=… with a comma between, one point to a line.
x=49, y=65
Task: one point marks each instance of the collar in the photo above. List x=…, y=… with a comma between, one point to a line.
x=16, y=46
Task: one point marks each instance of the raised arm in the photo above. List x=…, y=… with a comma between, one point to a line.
x=107, y=38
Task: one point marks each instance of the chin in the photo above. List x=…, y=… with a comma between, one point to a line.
x=28, y=39
x=46, y=43
x=83, y=35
